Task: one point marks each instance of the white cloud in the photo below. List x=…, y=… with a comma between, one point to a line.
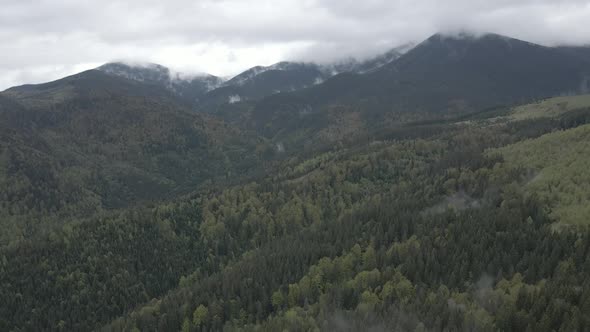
x=45, y=39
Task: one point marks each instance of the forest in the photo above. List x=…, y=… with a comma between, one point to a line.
x=475, y=223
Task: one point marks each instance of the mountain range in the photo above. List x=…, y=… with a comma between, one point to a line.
x=296, y=105
x=205, y=92
x=156, y=123
x=441, y=77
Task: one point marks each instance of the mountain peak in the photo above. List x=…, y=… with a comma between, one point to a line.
x=134, y=64
x=139, y=70
x=442, y=48
x=465, y=37
x=147, y=72
x=190, y=87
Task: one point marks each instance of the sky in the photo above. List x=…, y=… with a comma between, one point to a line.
x=43, y=40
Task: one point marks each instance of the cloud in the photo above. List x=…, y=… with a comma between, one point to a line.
x=225, y=36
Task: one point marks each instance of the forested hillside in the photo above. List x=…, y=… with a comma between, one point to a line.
x=90, y=142
x=559, y=171
x=331, y=208
x=430, y=231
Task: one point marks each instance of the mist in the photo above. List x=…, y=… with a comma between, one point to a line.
x=44, y=40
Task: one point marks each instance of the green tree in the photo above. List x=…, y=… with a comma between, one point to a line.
x=277, y=300
x=200, y=315
x=186, y=325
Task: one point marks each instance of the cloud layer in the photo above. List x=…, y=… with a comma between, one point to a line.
x=42, y=40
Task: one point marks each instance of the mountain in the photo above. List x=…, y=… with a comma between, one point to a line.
x=94, y=141
x=88, y=84
x=399, y=199
x=206, y=92
x=258, y=82
x=368, y=65
x=441, y=77
x=189, y=87
x=580, y=51
x=469, y=73
x=424, y=233
x=465, y=73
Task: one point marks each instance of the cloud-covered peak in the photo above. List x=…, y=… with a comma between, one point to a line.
x=188, y=86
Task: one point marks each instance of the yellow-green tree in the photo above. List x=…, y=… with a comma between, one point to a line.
x=200, y=315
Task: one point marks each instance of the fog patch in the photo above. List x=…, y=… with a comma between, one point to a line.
x=485, y=282
x=457, y=202
x=483, y=293
x=585, y=85
x=306, y=110
x=394, y=319
x=456, y=306
x=188, y=75
x=532, y=176
x=234, y=99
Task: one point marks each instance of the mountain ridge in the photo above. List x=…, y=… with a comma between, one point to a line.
x=205, y=91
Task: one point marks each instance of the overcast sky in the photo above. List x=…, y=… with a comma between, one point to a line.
x=41, y=40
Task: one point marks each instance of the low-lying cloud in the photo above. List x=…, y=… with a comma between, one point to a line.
x=43, y=40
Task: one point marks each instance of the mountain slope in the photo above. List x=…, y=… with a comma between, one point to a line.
x=580, y=51
x=371, y=64
x=93, y=141
x=465, y=73
x=382, y=235
x=560, y=163
x=469, y=73
x=259, y=82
